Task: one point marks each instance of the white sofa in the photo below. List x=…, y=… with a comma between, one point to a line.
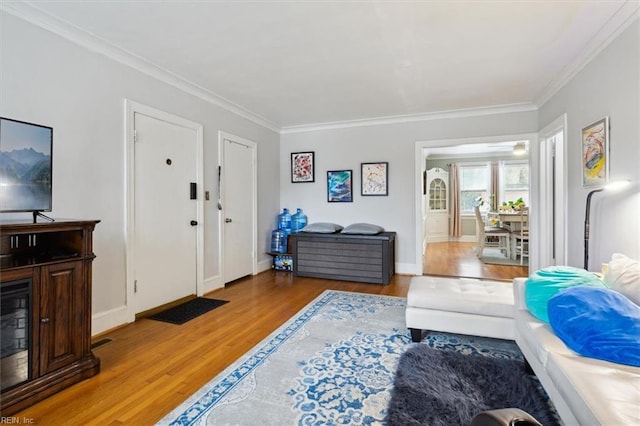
x=585, y=391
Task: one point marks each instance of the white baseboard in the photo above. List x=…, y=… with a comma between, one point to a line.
x=408, y=269
x=212, y=283
x=215, y=282
x=264, y=265
x=105, y=321
x=116, y=317
x=466, y=239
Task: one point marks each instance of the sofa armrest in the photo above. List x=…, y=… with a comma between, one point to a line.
x=518, y=294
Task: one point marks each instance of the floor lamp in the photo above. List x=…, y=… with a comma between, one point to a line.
x=613, y=185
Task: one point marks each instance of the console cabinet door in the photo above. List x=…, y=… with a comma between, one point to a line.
x=61, y=312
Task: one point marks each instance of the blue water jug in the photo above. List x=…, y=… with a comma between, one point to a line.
x=278, y=241
x=284, y=221
x=298, y=221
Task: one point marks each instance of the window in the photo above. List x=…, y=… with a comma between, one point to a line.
x=515, y=181
x=474, y=183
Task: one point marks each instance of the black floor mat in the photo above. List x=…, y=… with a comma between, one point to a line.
x=188, y=310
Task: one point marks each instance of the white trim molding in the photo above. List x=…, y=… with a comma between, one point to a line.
x=396, y=119
x=222, y=136
x=534, y=192
x=130, y=109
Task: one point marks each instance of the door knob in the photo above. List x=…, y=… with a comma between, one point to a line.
x=194, y=222
x=228, y=220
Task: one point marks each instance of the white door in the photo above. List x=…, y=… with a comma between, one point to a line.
x=165, y=216
x=238, y=207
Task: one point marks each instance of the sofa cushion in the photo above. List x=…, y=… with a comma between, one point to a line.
x=597, y=322
x=546, y=282
x=598, y=392
x=623, y=275
x=538, y=337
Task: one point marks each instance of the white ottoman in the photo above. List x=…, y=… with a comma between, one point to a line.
x=460, y=305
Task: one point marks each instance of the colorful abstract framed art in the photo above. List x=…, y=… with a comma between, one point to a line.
x=302, y=167
x=595, y=153
x=374, y=179
x=339, y=186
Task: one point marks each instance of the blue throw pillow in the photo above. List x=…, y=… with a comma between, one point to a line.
x=545, y=283
x=598, y=323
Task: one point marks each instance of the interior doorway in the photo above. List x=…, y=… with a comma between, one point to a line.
x=553, y=193
x=458, y=256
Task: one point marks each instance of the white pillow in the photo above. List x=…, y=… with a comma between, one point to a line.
x=623, y=275
x=322, y=228
x=363, y=229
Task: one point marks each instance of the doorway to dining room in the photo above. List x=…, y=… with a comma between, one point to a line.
x=483, y=172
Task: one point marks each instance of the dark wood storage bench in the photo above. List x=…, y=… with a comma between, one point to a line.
x=349, y=257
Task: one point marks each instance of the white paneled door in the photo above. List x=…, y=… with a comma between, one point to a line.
x=165, y=213
x=238, y=207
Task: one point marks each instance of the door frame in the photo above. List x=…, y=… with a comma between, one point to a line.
x=534, y=190
x=254, y=200
x=547, y=154
x=131, y=108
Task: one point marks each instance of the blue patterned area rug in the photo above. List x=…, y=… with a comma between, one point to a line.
x=332, y=363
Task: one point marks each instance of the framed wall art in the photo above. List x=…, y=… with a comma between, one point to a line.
x=302, y=167
x=595, y=153
x=339, y=186
x=374, y=178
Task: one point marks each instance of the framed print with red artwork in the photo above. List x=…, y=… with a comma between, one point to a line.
x=302, y=167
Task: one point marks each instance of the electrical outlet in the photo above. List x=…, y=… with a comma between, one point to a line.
x=206, y=195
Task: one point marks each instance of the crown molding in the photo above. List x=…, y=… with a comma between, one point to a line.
x=397, y=119
x=628, y=13
x=36, y=16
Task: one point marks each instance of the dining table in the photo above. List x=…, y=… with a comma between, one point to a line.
x=510, y=220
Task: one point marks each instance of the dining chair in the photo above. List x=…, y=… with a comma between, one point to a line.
x=520, y=238
x=487, y=234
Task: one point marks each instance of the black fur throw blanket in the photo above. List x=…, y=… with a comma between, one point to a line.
x=439, y=387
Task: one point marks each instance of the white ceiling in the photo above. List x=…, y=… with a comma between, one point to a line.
x=294, y=63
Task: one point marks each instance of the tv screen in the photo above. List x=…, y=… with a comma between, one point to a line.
x=25, y=166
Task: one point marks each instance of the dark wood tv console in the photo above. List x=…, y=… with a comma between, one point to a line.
x=55, y=259
x=348, y=257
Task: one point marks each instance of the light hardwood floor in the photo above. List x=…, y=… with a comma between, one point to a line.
x=150, y=367
x=459, y=259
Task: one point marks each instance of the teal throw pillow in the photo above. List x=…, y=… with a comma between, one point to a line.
x=543, y=284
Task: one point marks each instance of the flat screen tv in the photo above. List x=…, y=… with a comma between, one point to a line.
x=25, y=167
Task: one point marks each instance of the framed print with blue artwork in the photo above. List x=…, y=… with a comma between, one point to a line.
x=339, y=186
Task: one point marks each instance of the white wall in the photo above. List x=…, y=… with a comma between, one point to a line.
x=608, y=86
x=48, y=80
x=346, y=148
